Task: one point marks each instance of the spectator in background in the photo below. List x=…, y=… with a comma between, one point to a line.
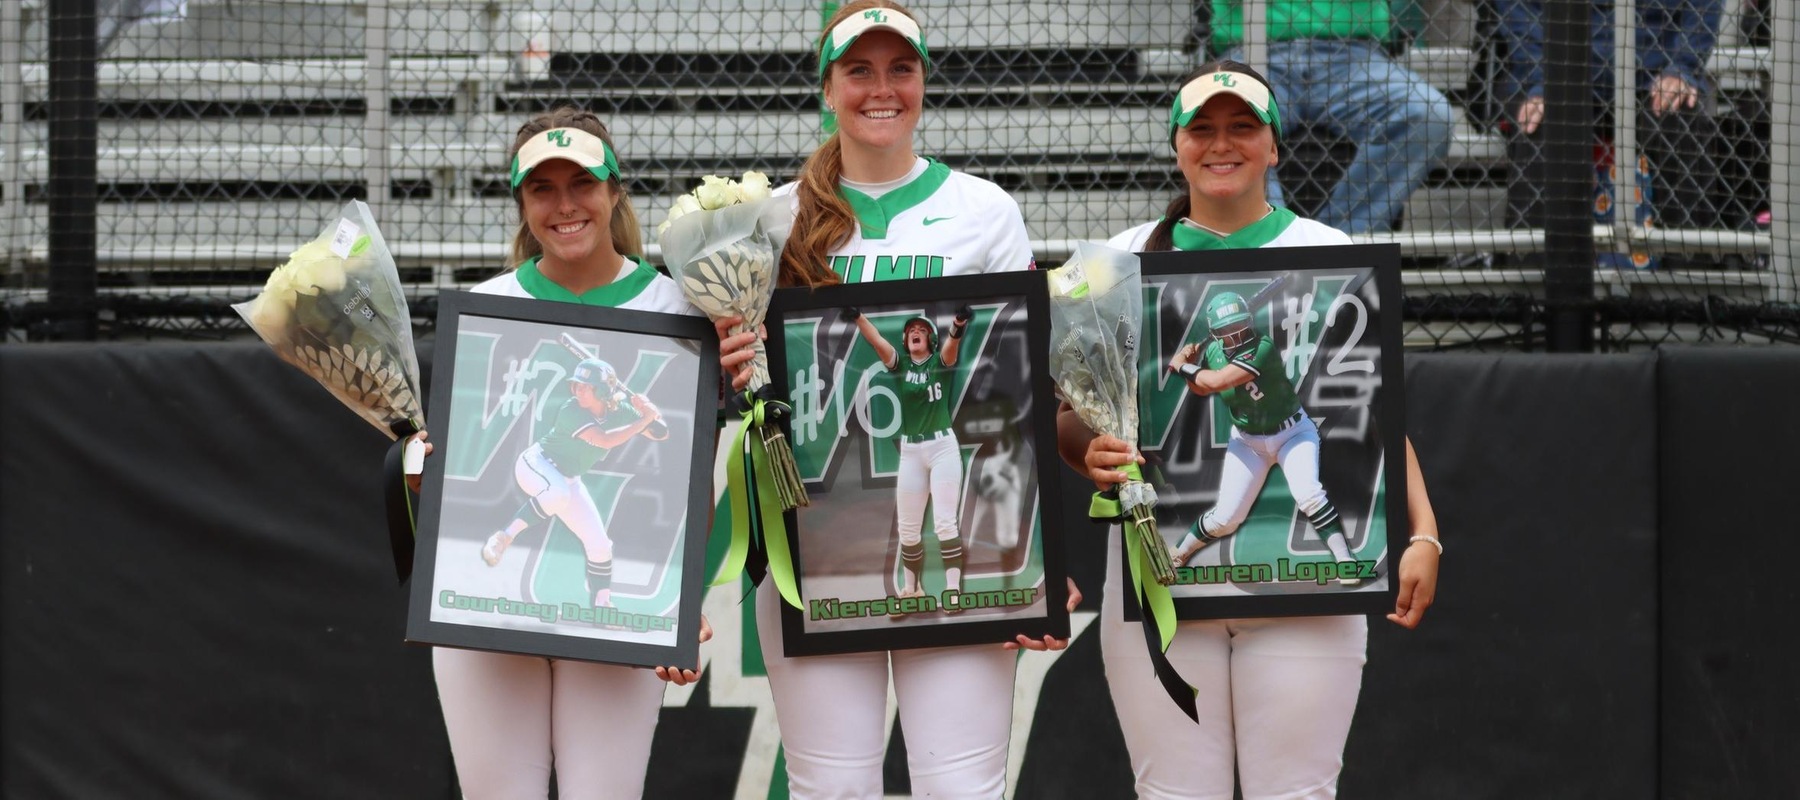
x=1675, y=123
x=1330, y=69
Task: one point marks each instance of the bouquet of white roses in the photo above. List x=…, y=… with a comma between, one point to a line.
x=1096, y=315
x=1096, y=311
x=335, y=311
x=722, y=244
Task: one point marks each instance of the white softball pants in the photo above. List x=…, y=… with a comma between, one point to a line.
x=564, y=498
x=1278, y=694
x=512, y=717
x=1248, y=459
x=929, y=470
x=955, y=711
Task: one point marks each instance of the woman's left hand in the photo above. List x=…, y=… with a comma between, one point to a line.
x=683, y=677
x=1418, y=584
x=734, y=349
x=1048, y=642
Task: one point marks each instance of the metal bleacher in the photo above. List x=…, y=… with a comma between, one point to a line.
x=228, y=137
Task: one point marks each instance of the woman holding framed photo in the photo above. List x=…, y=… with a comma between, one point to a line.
x=513, y=718
x=1275, y=695
x=862, y=195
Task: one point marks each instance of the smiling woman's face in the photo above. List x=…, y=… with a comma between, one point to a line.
x=1226, y=152
x=877, y=88
x=569, y=211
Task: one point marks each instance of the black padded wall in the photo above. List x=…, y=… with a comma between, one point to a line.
x=198, y=601
x=1730, y=551
x=1534, y=674
x=196, y=598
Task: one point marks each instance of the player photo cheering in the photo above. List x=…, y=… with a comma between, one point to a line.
x=598, y=417
x=930, y=458
x=1244, y=369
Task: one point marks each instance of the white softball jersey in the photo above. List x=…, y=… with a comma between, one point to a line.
x=955, y=702
x=638, y=287
x=510, y=717
x=1276, y=696
x=932, y=222
x=1297, y=232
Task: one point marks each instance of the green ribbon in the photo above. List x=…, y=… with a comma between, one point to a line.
x=748, y=475
x=1159, y=627
x=1161, y=604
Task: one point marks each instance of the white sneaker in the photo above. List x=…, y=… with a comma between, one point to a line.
x=495, y=547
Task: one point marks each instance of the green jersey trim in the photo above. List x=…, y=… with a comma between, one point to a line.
x=873, y=214
x=613, y=294
x=1256, y=234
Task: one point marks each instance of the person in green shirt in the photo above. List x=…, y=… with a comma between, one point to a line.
x=1329, y=67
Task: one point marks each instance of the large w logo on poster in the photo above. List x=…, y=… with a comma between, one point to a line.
x=507, y=427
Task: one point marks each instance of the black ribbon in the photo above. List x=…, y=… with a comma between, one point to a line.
x=1172, y=682
x=402, y=523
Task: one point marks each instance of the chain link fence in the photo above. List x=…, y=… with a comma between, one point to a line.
x=229, y=131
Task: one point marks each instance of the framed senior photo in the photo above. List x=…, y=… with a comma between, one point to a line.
x=1272, y=418
x=924, y=426
x=573, y=451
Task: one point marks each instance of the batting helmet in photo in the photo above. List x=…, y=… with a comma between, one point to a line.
x=1228, y=318
x=595, y=373
x=931, y=337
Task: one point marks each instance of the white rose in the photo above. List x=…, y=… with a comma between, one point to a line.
x=755, y=186
x=314, y=268
x=714, y=192
x=684, y=205
x=269, y=315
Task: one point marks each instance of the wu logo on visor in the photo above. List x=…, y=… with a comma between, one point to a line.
x=875, y=14
x=1225, y=78
x=561, y=138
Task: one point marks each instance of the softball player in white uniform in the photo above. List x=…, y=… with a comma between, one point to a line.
x=1276, y=696
x=514, y=718
x=594, y=420
x=869, y=209
x=930, y=468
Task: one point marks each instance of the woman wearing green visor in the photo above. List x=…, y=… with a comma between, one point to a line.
x=512, y=718
x=1275, y=696
x=865, y=194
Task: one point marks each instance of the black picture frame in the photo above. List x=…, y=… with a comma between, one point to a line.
x=1003, y=413
x=1351, y=389
x=502, y=377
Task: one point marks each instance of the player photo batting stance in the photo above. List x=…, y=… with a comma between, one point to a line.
x=1268, y=426
x=930, y=458
x=598, y=416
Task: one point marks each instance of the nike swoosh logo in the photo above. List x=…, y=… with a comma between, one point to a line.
x=935, y=220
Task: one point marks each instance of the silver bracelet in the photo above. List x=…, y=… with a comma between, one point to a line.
x=1432, y=539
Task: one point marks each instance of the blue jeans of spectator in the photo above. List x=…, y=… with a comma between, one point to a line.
x=1400, y=125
